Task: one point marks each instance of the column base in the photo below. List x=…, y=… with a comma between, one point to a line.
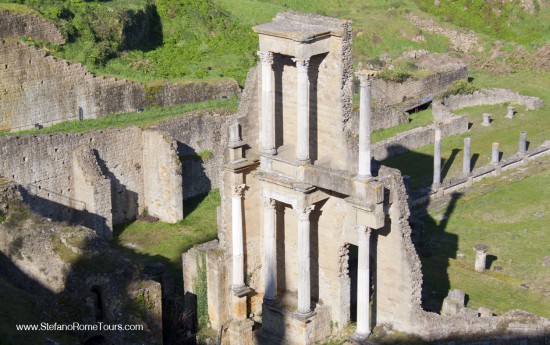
x=240, y=332
x=359, y=338
x=271, y=301
x=241, y=291
x=303, y=316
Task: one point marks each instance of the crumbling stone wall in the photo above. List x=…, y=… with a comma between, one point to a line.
x=61, y=180
x=199, y=138
x=36, y=88
x=29, y=24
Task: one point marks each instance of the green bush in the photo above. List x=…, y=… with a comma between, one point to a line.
x=396, y=76
x=460, y=87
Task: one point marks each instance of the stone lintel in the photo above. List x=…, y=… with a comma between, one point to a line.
x=236, y=144
x=369, y=190
x=288, y=195
x=373, y=218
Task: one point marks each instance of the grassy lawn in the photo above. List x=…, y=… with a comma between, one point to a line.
x=418, y=163
x=511, y=214
x=148, y=117
x=161, y=242
x=419, y=119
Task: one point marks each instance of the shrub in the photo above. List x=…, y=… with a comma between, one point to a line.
x=460, y=87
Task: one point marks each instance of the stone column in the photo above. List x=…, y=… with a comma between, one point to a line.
x=270, y=250
x=237, y=238
x=302, y=113
x=486, y=119
x=304, y=284
x=363, y=283
x=467, y=157
x=511, y=112
x=437, y=158
x=481, y=256
x=522, y=142
x=364, y=168
x=495, y=154
x=268, y=114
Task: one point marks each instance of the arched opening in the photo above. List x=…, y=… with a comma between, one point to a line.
x=98, y=303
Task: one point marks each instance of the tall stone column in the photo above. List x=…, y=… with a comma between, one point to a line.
x=237, y=238
x=467, y=157
x=304, y=283
x=437, y=158
x=364, y=168
x=302, y=114
x=270, y=250
x=268, y=113
x=363, y=283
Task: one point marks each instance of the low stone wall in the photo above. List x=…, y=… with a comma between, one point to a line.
x=40, y=89
x=31, y=25
x=486, y=96
x=418, y=137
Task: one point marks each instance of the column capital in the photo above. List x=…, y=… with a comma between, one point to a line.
x=365, y=77
x=363, y=230
x=301, y=64
x=269, y=202
x=266, y=57
x=304, y=211
x=238, y=191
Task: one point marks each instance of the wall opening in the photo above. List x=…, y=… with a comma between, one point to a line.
x=98, y=303
x=352, y=273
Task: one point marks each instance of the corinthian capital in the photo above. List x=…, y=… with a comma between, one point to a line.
x=265, y=57
x=269, y=202
x=363, y=230
x=303, y=212
x=238, y=191
x=301, y=64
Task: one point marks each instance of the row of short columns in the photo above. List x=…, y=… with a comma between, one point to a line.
x=466, y=165
x=302, y=107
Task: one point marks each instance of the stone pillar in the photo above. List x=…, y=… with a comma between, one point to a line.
x=304, y=284
x=237, y=238
x=437, y=158
x=486, y=119
x=481, y=256
x=270, y=251
x=495, y=154
x=268, y=113
x=364, y=168
x=511, y=112
x=302, y=114
x=467, y=157
x=522, y=142
x=363, y=283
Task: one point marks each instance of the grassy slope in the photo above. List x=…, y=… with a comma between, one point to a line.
x=500, y=214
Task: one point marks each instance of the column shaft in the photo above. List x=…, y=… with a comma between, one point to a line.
x=363, y=283
x=364, y=168
x=270, y=250
x=268, y=114
x=522, y=142
x=437, y=158
x=304, y=284
x=302, y=114
x=495, y=154
x=237, y=237
x=467, y=157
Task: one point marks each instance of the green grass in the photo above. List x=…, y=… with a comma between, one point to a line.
x=146, y=242
x=500, y=214
x=148, y=117
x=17, y=8
x=418, y=119
x=418, y=163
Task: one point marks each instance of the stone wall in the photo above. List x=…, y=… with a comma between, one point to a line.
x=411, y=90
x=29, y=24
x=199, y=148
x=417, y=137
x=482, y=97
x=61, y=180
x=40, y=89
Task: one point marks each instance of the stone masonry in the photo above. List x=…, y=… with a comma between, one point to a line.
x=295, y=200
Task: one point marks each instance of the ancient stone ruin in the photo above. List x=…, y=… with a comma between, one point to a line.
x=297, y=199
